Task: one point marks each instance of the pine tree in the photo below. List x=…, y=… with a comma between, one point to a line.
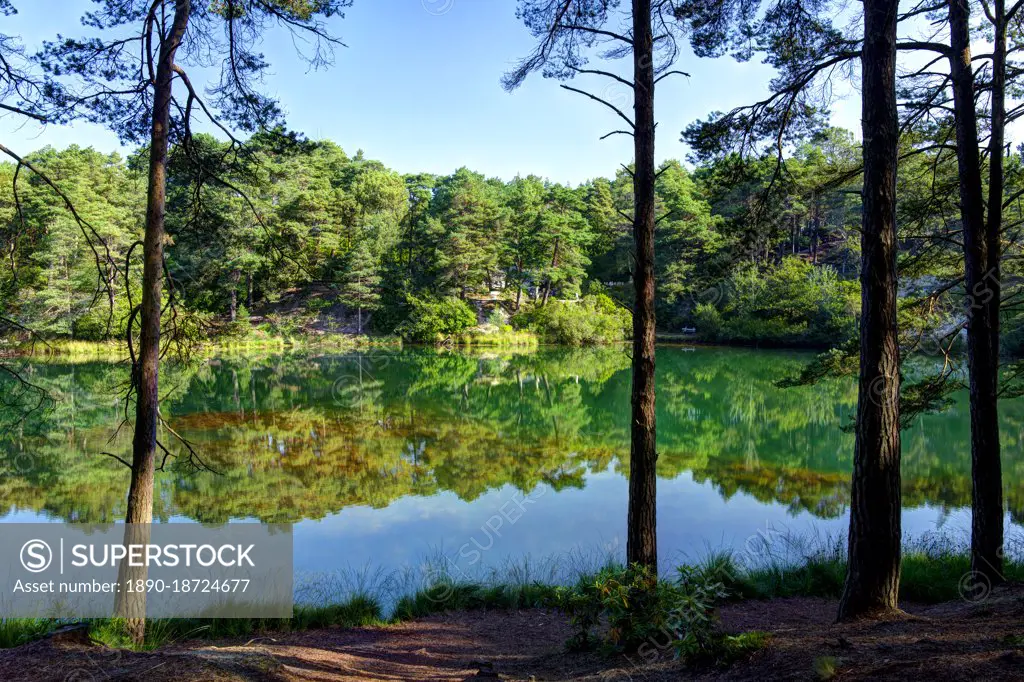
x=567, y=31
x=360, y=280
x=129, y=85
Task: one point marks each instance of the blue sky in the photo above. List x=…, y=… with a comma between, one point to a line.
x=418, y=88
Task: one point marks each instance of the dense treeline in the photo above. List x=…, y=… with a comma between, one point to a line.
x=743, y=255
x=347, y=238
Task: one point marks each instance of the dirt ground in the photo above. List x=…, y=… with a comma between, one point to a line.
x=953, y=641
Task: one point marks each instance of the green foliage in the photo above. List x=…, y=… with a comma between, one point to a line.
x=584, y=607
x=93, y=326
x=236, y=331
x=648, y=616
x=792, y=302
x=821, y=575
x=497, y=318
x=445, y=594
x=505, y=337
x=317, y=305
x=835, y=362
x=436, y=320
x=931, y=572
x=744, y=254
x=594, y=319
x=17, y=631
x=708, y=320
x=52, y=280
x=825, y=667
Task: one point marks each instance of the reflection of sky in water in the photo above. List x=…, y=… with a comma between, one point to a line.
x=558, y=532
x=693, y=519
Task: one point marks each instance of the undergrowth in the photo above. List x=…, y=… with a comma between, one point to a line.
x=609, y=607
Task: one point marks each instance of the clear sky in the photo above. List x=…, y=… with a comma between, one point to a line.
x=418, y=88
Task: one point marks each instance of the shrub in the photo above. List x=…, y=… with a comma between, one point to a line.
x=275, y=324
x=708, y=321
x=497, y=317
x=92, y=325
x=436, y=320
x=583, y=605
x=593, y=320
x=792, y=302
x=316, y=305
x=646, y=615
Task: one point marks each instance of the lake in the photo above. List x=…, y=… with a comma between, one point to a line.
x=388, y=459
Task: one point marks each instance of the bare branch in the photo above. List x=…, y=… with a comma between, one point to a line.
x=604, y=102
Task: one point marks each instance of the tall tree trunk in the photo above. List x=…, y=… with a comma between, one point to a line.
x=641, y=535
x=554, y=264
x=982, y=317
x=519, y=283
x=236, y=276
x=248, y=291
x=996, y=180
x=996, y=176
x=873, y=571
x=140, y=492
x=111, y=292
x=816, y=234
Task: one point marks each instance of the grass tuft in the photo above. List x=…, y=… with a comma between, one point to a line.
x=17, y=631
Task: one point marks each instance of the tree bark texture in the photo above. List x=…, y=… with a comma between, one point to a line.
x=873, y=569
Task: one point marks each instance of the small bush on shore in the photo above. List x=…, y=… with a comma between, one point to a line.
x=595, y=319
x=791, y=303
x=647, y=616
x=436, y=320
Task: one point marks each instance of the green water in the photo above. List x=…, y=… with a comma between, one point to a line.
x=379, y=457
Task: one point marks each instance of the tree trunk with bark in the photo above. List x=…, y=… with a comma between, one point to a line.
x=147, y=368
x=111, y=292
x=996, y=179
x=987, y=541
x=873, y=570
x=642, y=540
x=236, y=277
x=981, y=279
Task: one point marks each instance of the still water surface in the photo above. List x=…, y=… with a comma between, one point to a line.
x=387, y=458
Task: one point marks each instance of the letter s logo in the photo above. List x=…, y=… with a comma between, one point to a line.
x=36, y=556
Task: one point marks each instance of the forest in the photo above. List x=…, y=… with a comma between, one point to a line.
x=237, y=321
x=329, y=230
x=342, y=243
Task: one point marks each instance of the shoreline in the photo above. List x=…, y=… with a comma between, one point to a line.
x=959, y=640
x=931, y=575
x=523, y=340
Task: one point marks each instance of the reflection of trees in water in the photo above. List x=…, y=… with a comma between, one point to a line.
x=301, y=437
